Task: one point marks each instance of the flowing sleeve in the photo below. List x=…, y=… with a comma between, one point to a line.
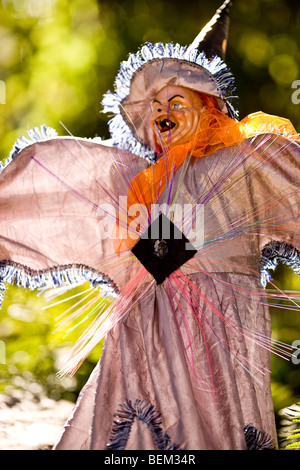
x=275, y=193
x=250, y=194
x=264, y=190
x=59, y=199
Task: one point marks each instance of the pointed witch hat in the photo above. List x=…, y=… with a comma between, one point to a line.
x=200, y=67
x=212, y=39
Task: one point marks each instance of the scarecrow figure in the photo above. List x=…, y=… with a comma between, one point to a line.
x=178, y=222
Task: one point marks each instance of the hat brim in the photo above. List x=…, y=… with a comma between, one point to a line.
x=150, y=79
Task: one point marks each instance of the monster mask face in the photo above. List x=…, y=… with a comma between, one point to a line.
x=199, y=67
x=175, y=115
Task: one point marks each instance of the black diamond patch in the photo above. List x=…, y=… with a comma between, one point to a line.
x=163, y=248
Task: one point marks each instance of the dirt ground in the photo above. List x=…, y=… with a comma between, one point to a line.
x=30, y=422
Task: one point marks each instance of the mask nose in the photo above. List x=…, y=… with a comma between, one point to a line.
x=160, y=110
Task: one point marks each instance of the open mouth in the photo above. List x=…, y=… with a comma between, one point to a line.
x=165, y=125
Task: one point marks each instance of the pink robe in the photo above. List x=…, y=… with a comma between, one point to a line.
x=185, y=363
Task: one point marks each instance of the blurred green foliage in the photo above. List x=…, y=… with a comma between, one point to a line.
x=285, y=320
x=58, y=58
x=37, y=343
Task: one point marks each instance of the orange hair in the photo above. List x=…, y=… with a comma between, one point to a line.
x=216, y=130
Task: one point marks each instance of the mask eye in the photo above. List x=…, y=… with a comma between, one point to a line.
x=176, y=106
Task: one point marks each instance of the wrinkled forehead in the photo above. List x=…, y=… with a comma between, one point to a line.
x=169, y=92
x=151, y=79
